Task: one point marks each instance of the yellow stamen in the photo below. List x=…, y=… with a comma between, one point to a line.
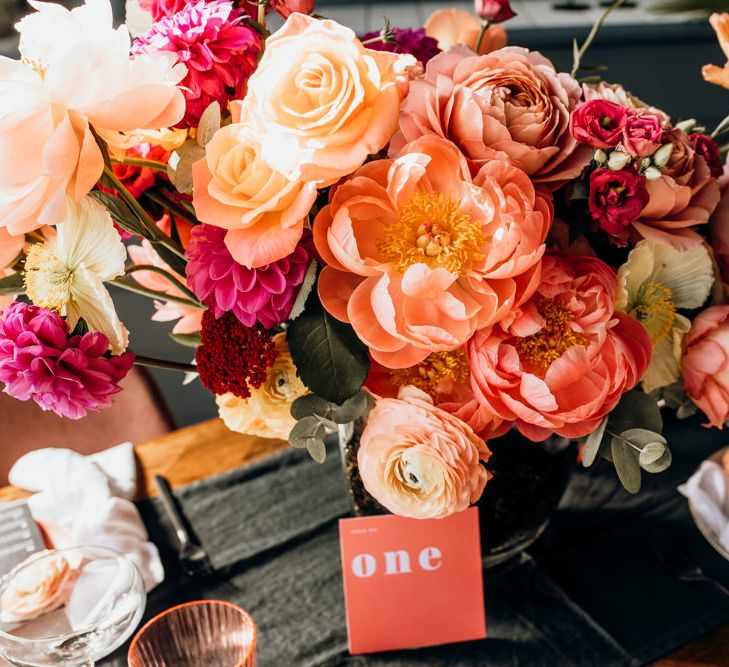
x=433, y=230
x=430, y=373
x=47, y=278
x=38, y=67
x=654, y=309
x=553, y=340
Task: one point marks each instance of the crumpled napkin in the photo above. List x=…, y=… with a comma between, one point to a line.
x=708, y=491
x=87, y=501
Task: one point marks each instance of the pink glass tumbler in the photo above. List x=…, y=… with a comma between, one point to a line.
x=208, y=632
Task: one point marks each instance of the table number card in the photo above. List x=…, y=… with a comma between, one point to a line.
x=19, y=535
x=411, y=583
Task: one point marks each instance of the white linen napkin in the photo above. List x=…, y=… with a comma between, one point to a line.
x=86, y=501
x=708, y=491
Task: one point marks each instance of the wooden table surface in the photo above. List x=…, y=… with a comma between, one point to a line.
x=209, y=448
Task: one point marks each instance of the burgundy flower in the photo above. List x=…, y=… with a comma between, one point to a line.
x=642, y=134
x=407, y=40
x=616, y=199
x=598, y=123
x=69, y=375
x=709, y=149
x=494, y=11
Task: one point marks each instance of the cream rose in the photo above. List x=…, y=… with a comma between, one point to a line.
x=321, y=102
x=267, y=413
x=419, y=461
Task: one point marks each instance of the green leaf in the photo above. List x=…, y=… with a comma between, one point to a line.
x=81, y=328
x=592, y=444
x=655, y=457
x=12, y=284
x=310, y=405
x=317, y=450
x=187, y=340
x=353, y=408
x=626, y=464
x=120, y=213
x=329, y=358
x=173, y=260
x=308, y=427
x=636, y=410
x=208, y=125
x=181, y=174
x=304, y=291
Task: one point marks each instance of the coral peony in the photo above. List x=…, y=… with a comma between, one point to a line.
x=562, y=362
x=705, y=364
x=320, y=102
x=419, y=461
x=684, y=196
x=56, y=93
x=451, y=27
x=407, y=40
x=67, y=374
x=616, y=199
x=219, y=49
x=712, y=73
x=420, y=255
x=510, y=104
x=237, y=190
x=263, y=295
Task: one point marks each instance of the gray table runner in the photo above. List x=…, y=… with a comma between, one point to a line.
x=593, y=591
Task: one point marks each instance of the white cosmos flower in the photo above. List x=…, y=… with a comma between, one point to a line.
x=66, y=274
x=653, y=284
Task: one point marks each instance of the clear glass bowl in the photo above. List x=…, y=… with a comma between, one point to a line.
x=104, y=604
x=208, y=632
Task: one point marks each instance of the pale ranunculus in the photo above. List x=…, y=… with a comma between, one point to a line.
x=320, y=102
x=419, y=461
x=75, y=73
x=236, y=189
x=267, y=412
x=66, y=274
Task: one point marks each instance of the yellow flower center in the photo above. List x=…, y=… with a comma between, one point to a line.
x=654, y=309
x=47, y=278
x=432, y=230
x=432, y=371
x=553, y=340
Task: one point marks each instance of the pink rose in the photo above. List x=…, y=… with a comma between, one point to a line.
x=494, y=11
x=616, y=199
x=419, y=461
x=709, y=150
x=642, y=134
x=510, y=105
x=705, y=364
x=562, y=362
x=598, y=123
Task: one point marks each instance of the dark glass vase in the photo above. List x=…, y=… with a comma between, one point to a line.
x=528, y=481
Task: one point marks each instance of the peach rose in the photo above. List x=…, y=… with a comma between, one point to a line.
x=705, y=363
x=454, y=26
x=510, y=104
x=236, y=189
x=418, y=461
x=36, y=587
x=562, y=362
x=420, y=255
x=320, y=102
x=684, y=196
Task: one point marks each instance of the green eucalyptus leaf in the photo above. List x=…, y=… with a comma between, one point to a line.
x=308, y=427
x=625, y=459
x=353, y=408
x=592, y=444
x=304, y=291
x=12, y=284
x=635, y=410
x=655, y=457
x=120, y=213
x=310, y=405
x=317, y=450
x=187, y=340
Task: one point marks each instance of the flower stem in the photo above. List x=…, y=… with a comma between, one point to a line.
x=154, y=294
x=151, y=362
x=580, y=53
x=484, y=27
x=141, y=162
x=171, y=206
x=261, y=18
x=170, y=278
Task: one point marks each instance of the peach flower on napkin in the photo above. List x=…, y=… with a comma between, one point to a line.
x=510, y=104
x=419, y=255
x=419, y=461
x=36, y=588
x=455, y=26
x=320, y=102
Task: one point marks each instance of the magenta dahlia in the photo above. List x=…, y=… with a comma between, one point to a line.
x=39, y=360
x=263, y=295
x=218, y=47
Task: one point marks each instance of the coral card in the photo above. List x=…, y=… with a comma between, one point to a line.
x=410, y=582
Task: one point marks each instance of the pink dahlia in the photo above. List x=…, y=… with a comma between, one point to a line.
x=219, y=49
x=67, y=374
x=263, y=295
x=161, y=8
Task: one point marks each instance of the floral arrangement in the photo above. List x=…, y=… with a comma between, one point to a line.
x=425, y=225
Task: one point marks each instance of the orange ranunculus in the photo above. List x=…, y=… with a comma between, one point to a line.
x=419, y=461
x=454, y=26
x=510, y=104
x=563, y=361
x=236, y=189
x=420, y=255
x=320, y=102
x=712, y=73
x=684, y=196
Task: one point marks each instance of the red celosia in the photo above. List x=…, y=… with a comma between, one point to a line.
x=233, y=358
